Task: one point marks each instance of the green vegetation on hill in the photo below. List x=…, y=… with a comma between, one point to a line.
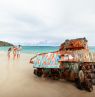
x=3, y=43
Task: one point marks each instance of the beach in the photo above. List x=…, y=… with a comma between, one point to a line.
x=17, y=80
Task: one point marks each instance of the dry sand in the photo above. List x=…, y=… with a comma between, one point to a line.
x=17, y=80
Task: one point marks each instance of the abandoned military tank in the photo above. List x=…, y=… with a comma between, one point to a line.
x=73, y=61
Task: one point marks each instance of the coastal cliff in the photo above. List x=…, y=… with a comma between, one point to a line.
x=3, y=43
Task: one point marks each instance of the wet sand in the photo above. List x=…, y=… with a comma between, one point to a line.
x=17, y=80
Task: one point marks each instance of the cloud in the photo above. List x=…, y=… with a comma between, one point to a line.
x=46, y=22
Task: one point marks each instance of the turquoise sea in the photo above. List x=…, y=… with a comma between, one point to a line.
x=34, y=49
x=40, y=49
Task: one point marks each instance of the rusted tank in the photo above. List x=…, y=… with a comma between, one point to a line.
x=66, y=62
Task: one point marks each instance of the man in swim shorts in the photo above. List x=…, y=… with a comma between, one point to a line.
x=19, y=51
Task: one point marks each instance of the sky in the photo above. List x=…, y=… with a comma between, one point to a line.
x=46, y=22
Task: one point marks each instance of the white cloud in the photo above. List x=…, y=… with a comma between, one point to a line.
x=40, y=22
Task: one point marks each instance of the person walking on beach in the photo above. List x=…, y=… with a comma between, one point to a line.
x=18, y=51
x=14, y=52
x=9, y=52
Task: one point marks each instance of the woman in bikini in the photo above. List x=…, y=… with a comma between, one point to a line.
x=14, y=52
x=9, y=52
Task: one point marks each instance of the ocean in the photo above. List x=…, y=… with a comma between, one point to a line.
x=34, y=49
x=40, y=49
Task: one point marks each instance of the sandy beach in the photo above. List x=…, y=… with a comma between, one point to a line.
x=17, y=80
